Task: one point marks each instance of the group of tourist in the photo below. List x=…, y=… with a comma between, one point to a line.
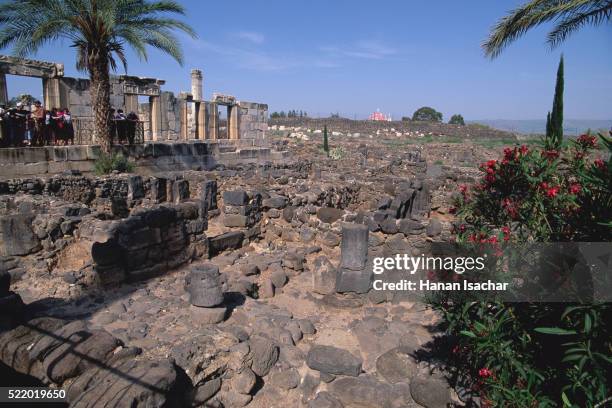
x=123, y=126
x=36, y=126
x=20, y=126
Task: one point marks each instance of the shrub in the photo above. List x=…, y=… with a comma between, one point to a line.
x=427, y=114
x=544, y=195
x=337, y=153
x=106, y=164
x=456, y=120
x=534, y=354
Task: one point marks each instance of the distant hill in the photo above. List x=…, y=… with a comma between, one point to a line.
x=572, y=127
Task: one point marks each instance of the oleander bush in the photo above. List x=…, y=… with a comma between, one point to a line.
x=534, y=354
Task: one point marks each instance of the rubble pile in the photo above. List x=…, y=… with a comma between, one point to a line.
x=246, y=285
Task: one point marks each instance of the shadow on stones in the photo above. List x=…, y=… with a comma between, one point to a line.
x=259, y=384
x=17, y=379
x=233, y=300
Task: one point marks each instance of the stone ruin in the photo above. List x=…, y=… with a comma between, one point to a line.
x=244, y=284
x=179, y=132
x=166, y=116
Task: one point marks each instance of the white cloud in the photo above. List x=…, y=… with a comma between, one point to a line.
x=250, y=36
x=246, y=58
x=366, y=49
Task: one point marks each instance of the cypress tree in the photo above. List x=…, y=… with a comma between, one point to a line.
x=325, y=142
x=556, y=116
x=548, y=128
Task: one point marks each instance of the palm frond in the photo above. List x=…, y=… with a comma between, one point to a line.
x=93, y=27
x=165, y=41
x=594, y=16
x=570, y=14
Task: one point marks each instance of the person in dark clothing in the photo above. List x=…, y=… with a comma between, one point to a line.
x=58, y=125
x=16, y=125
x=68, y=127
x=121, y=125
x=132, y=120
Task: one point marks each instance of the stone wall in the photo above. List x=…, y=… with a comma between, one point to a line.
x=253, y=120
x=147, y=243
x=116, y=224
x=148, y=158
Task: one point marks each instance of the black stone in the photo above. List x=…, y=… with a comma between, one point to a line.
x=236, y=197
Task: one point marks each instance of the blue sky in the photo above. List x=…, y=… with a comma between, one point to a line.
x=356, y=56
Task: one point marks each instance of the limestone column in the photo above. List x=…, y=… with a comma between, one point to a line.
x=184, y=119
x=232, y=123
x=51, y=93
x=213, y=120
x=3, y=89
x=200, y=118
x=197, y=82
x=156, y=116
x=131, y=103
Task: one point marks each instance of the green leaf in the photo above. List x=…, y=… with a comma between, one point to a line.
x=572, y=357
x=566, y=400
x=481, y=327
x=588, y=323
x=468, y=333
x=570, y=310
x=554, y=330
x=603, y=357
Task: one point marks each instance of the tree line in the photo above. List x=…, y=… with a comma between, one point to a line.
x=289, y=114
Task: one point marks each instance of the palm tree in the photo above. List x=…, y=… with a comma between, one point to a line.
x=99, y=30
x=568, y=15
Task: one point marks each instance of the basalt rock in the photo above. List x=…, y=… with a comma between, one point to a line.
x=204, y=286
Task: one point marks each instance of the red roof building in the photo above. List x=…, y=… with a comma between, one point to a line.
x=379, y=116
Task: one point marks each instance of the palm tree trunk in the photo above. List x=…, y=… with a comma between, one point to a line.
x=100, y=100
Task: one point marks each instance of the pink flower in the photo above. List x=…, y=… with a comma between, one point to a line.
x=550, y=154
x=600, y=164
x=506, y=231
x=587, y=141
x=485, y=373
x=575, y=188
x=511, y=207
x=524, y=150
x=552, y=192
